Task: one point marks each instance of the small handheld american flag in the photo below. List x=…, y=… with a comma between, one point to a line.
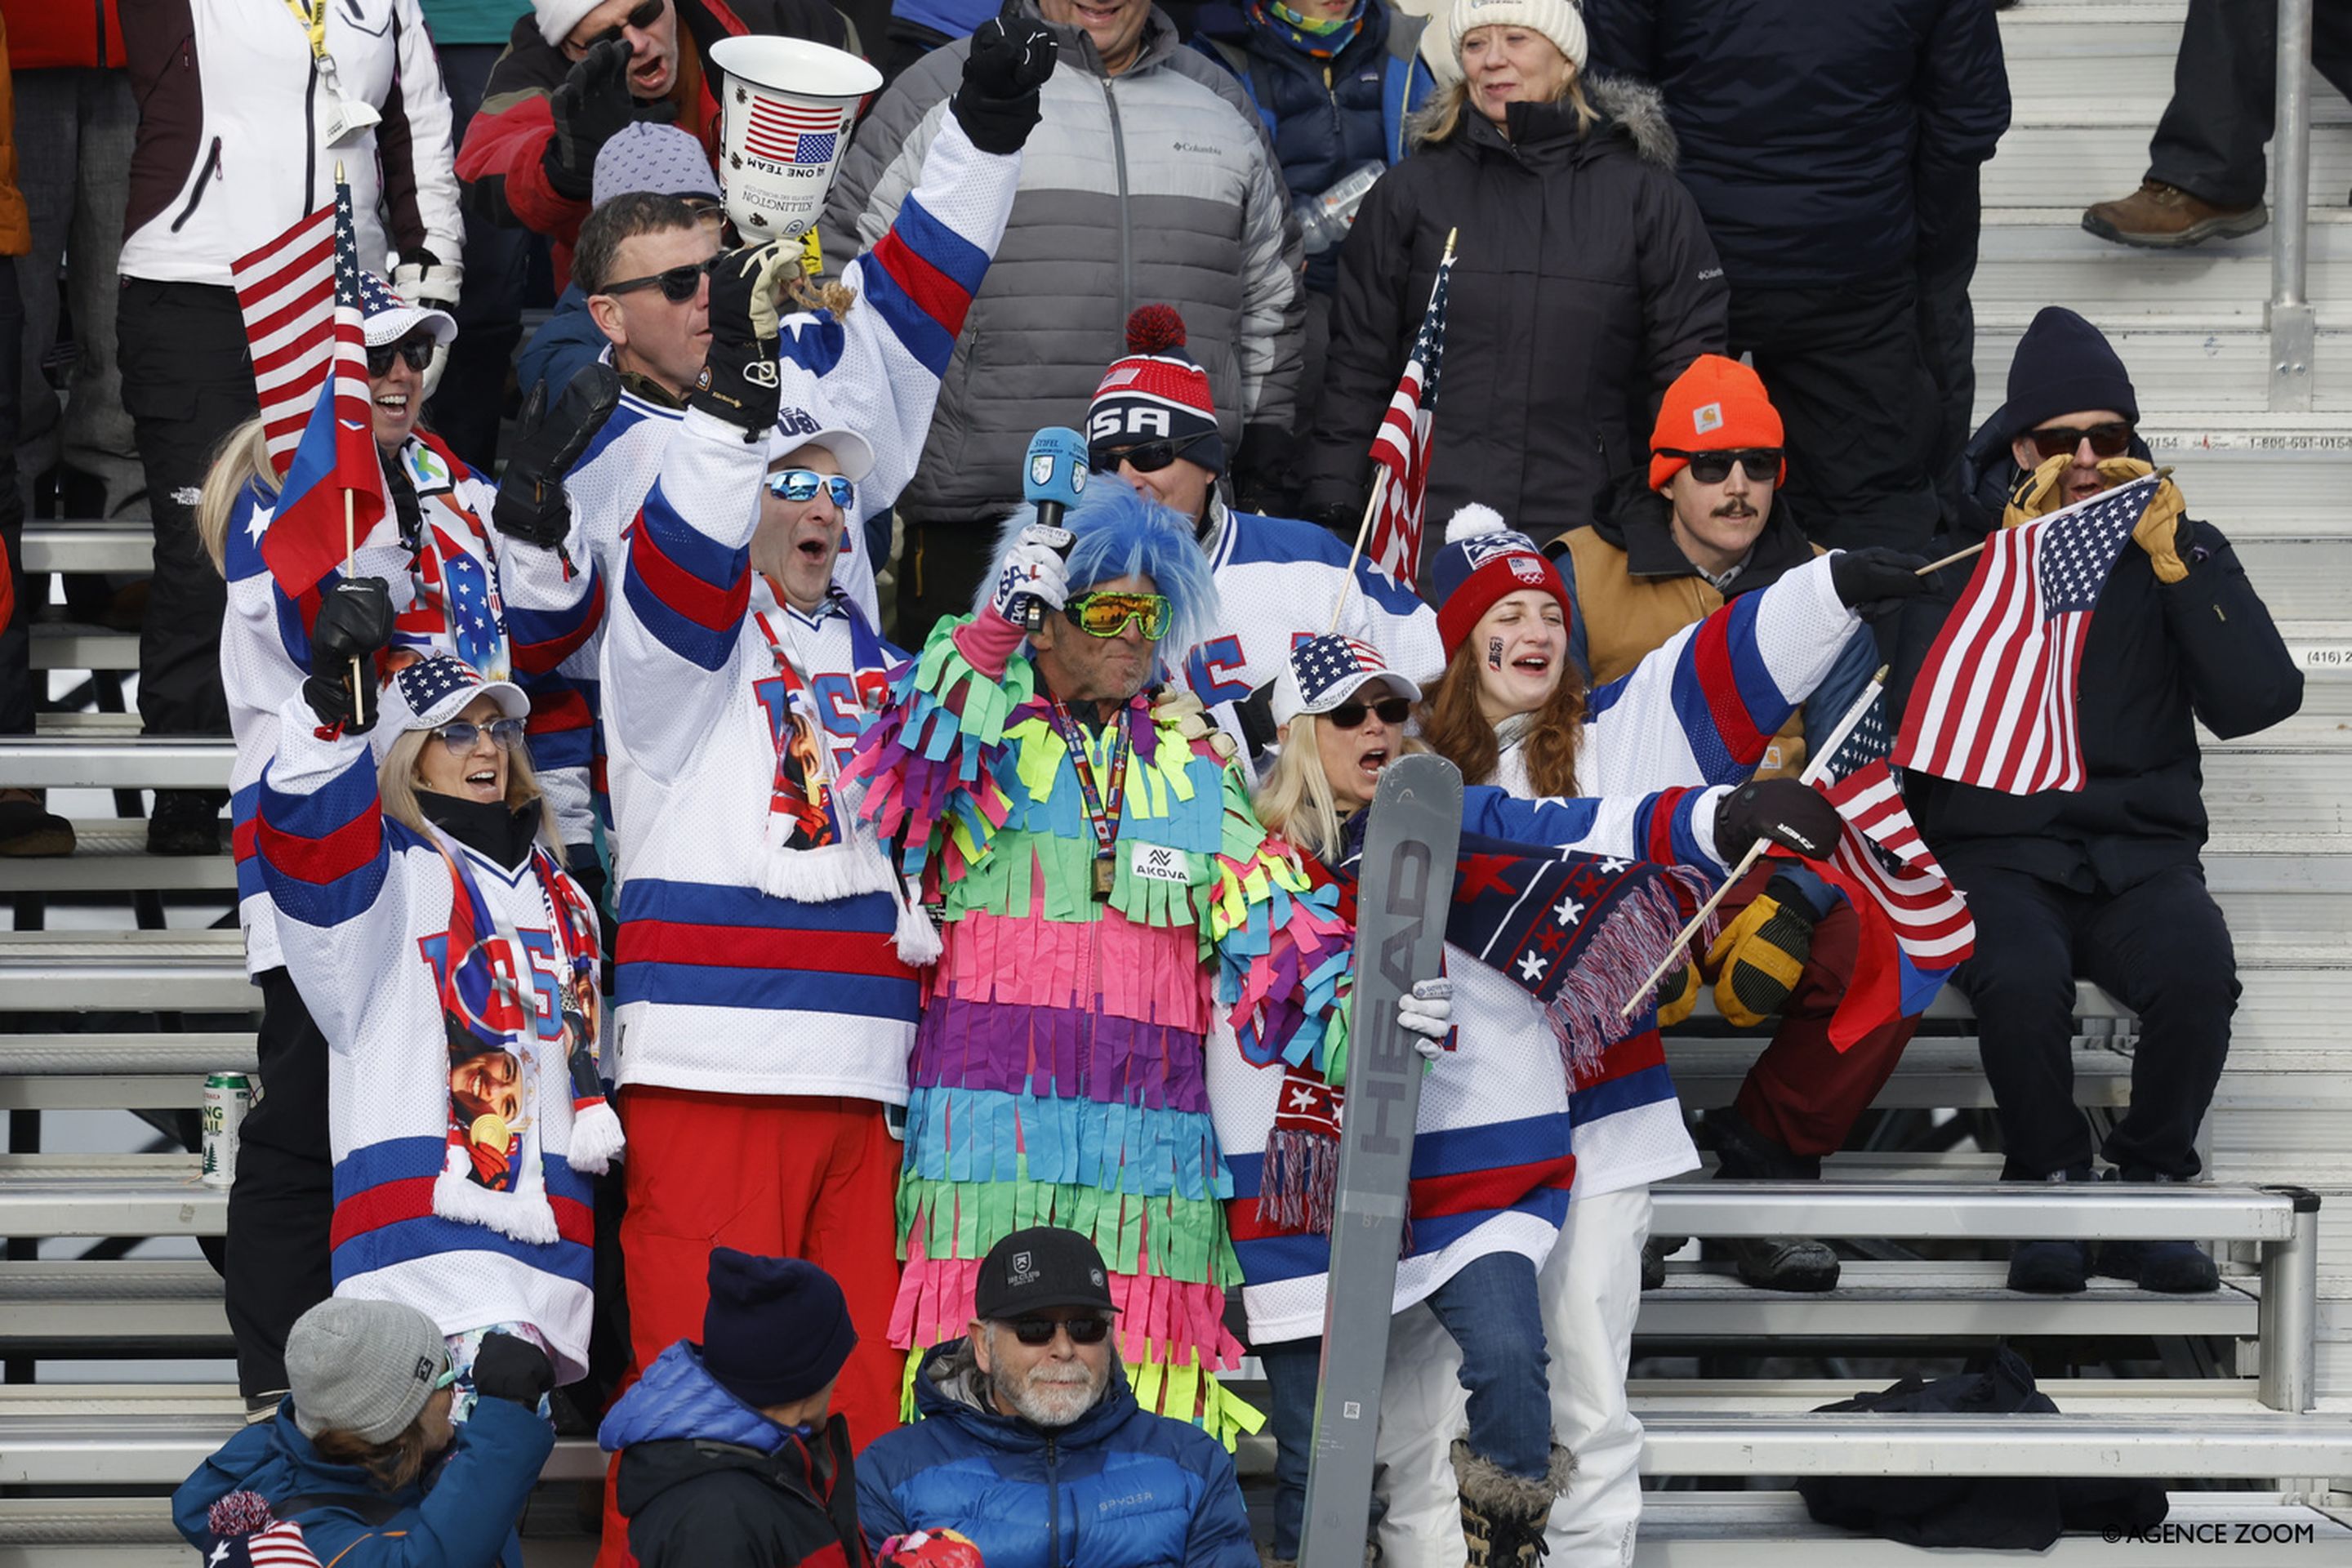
x=1401, y=445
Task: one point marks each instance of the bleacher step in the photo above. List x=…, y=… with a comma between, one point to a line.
x=110, y=856
x=1926, y=1300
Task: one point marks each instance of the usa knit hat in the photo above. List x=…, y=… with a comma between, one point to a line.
x=1484, y=562
x=663, y=159
x=558, y=17
x=362, y=1367
x=1555, y=19
x=2063, y=365
x=1157, y=394
x=776, y=1330
x=1717, y=405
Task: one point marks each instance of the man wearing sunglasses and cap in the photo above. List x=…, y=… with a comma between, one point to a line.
x=1704, y=525
x=1153, y=423
x=1029, y=1421
x=2103, y=882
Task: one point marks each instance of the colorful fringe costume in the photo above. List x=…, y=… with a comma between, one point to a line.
x=1057, y=1071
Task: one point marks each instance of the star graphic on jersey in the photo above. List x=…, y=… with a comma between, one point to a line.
x=1531, y=967
x=258, y=523
x=1567, y=912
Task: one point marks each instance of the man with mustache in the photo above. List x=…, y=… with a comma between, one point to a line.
x=1700, y=528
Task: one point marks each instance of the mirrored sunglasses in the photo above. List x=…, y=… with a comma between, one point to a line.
x=459, y=737
x=2111, y=439
x=1350, y=715
x=418, y=351
x=643, y=16
x=1035, y=1332
x=677, y=284
x=803, y=484
x=1108, y=615
x=1762, y=463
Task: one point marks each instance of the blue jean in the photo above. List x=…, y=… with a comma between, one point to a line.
x=1489, y=1306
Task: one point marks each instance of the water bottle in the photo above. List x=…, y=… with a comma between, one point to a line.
x=1324, y=220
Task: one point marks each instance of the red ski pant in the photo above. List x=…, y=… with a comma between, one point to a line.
x=782, y=1175
x=1804, y=1093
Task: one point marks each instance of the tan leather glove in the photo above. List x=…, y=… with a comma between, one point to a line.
x=2160, y=532
x=2036, y=495
x=1760, y=956
x=1677, y=995
x=1176, y=704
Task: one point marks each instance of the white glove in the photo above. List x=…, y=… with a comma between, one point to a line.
x=1427, y=1012
x=1034, y=571
x=434, y=284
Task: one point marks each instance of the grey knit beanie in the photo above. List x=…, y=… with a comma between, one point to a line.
x=662, y=159
x=362, y=1367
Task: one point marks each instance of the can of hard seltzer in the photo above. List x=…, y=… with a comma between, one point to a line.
x=227, y=1097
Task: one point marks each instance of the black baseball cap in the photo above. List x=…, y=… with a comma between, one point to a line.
x=1045, y=1266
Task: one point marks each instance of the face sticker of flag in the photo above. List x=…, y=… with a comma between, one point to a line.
x=789, y=132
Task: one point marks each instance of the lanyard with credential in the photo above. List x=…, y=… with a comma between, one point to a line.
x=1101, y=812
x=311, y=17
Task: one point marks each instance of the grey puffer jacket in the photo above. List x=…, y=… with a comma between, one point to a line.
x=1156, y=185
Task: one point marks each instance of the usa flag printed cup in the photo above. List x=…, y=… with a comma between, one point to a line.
x=785, y=108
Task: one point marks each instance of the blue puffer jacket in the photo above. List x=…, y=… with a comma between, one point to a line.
x=463, y=1518
x=1123, y=1487
x=566, y=343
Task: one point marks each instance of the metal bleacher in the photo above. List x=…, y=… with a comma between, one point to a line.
x=122, y=985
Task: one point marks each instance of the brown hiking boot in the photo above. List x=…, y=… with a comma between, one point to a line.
x=2166, y=217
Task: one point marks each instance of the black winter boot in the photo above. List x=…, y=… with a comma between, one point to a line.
x=2174, y=1267
x=2052, y=1267
x=1774, y=1262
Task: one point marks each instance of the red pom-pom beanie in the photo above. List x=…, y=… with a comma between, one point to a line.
x=1157, y=394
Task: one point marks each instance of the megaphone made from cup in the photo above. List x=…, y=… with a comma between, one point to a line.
x=785, y=108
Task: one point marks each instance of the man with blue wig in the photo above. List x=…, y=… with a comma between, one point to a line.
x=1074, y=841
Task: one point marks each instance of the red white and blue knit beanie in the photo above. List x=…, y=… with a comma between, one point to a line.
x=1481, y=563
x=1157, y=394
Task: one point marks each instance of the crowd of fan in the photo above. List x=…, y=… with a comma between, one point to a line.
x=978, y=1012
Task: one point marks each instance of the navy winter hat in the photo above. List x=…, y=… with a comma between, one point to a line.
x=777, y=1329
x=2063, y=365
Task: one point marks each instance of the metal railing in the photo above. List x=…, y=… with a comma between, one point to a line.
x=2293, y=331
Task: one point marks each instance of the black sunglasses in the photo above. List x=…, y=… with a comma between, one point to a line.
x=1350, y=715
x=1035, y=1332
x=2109, y=439
x=418, y=351
x=643, y=16
x=1762, y=463
x=677, y=284
x=1144, y=457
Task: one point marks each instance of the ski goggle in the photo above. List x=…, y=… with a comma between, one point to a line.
x=448, y=1378
x=643, y=16
x=459, y=737
x=803, y=484
x=677, y=284
x=1762, y=463
x=1108, y=615
x=418, y=351
x=2111, y=439
x=1351, y=714
x=1143, y=456
x=1036, y=1331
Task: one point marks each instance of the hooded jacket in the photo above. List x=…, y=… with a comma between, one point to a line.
x=706, y=1481
x=1583, y=283
x=1120, y=1487
x=2160, y=659
x=1156, y=184
x=462, y=1515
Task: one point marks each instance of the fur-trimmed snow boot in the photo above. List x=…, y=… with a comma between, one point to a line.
x=1503, y=1515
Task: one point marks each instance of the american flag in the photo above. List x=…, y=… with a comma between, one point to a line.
x=789, y=132
x=336, y=456
x=1915, y=926
x=281, y=1546
x=1401, y=445
x=1994, y=704
x=1326, y=665
x=287, y=291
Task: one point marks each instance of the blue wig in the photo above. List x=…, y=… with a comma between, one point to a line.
x=1121, y=533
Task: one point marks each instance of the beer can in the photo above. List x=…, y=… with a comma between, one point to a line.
x=227, y=1097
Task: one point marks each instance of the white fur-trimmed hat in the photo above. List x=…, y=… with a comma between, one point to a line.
x=1558, y=20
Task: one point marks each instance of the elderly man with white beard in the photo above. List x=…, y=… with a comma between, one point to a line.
x=1029, y=1427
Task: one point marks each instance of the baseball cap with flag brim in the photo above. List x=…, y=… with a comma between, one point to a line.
x=853, y=453
x=1322, y=673
x=432, y=692
x=387, y=318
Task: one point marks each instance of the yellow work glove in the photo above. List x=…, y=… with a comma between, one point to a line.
x=1760, y=956
x=1677, y=995
x=2161, y=532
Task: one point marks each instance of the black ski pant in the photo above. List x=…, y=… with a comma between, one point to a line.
x=2225, y=94
x=15, y=635
x=1845, y=367
x=187, y=381
x=2162, y=948
x=283, y=1206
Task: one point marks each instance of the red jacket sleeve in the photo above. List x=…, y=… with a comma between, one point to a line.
x=503, y=168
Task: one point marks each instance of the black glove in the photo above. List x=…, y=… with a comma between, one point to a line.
x=1871, y=579
x=352, y=623
x=1782, y=810
x=1012, y=55
x=532, y=505
x=1340, y=516
x=513, y=1370
x=739, y=382
x=1262, y=469
x=591, y=105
